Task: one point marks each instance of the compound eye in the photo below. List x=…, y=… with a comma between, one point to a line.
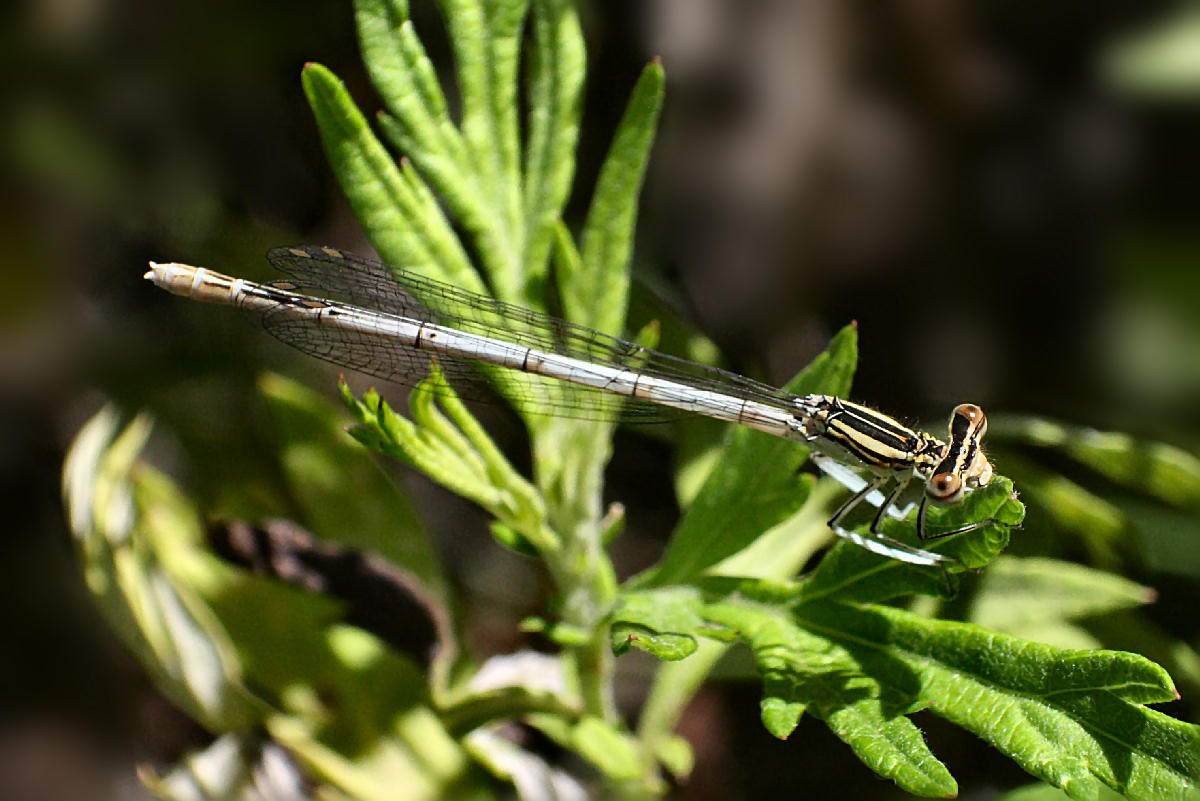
x=975, y=419
x=944, y=488
x=971, y=412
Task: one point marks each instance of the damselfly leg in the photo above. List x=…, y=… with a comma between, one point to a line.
x=877, y=542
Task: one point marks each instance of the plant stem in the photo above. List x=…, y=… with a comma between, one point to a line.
x=586, y=584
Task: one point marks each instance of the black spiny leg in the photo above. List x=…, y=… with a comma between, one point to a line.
x=925, y=536
x=878, y=543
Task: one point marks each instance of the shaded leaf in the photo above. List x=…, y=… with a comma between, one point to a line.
x=1168, y=538
x=675, y=754
x=530, y=775
x=1017, y=594
x=611, y=750
x=374, y=594
x=1162, y=471
x=754, y=485
x=661, y=622
x=344, y=495
x=390, y=769
x=1099, y=524
x=509, y=687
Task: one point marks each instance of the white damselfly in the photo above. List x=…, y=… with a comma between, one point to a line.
x=386, y=322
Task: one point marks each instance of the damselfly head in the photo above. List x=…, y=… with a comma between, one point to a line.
x=964, y=467
x=971, y=416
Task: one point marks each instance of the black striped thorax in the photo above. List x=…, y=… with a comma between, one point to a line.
x=876, y=440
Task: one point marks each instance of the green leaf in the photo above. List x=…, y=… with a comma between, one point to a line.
x=396, y=219
x=447, y=443
x=608, y=748
x=1071, y=718
x=1130, y=631
x=471, y=711
x=1160, y=61
x=1074, y=719
x=1019, y=596
x=486, y=40
x=420, y=127
x=420, y=763
x=137, y=538
x=1044, y=792
x=199, y=626
x=1161, y=471
x=675, y=754
x=344, y=495
x=1168, y=539
x=661, y=622
x=754, y=485
x=557, y=68
x=528, y=772
x=230, y=767
x=597, y=293
x=406, y=80
x=1100, y=525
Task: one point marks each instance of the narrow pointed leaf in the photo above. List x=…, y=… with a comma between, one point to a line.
x=1162, y=471
x=486, y=37
x=397, y=222
x=556, y=75
x=406, y=80
x=597, y=295
x=1016, y=594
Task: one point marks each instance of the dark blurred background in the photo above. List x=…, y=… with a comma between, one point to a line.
x=1003, y=195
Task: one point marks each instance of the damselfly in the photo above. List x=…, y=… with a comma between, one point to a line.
x=386, y=322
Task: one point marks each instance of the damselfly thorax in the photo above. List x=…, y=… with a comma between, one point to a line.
x=845, y=434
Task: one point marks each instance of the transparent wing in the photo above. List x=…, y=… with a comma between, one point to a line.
x=333, y=274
